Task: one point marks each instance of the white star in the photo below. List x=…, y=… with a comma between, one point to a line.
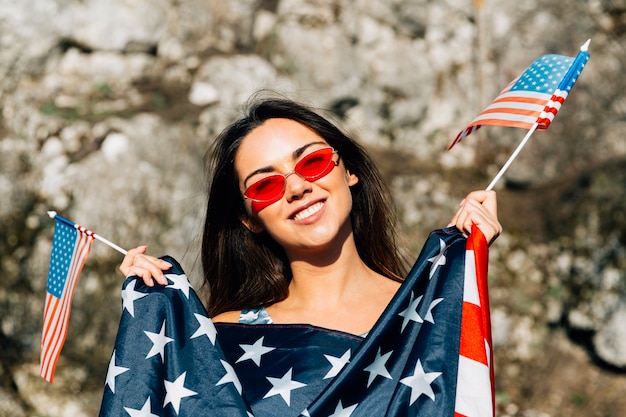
x=206, y=328
x=230, y=376
x=179, y=282
x=254, y=352
x=438, y=259
x=420, y=382
x=146, y=410
x=283, y=386
x=429, y=314
x=159, y=340
x=129, y=295
x=410, y=313
x=378, y=367
x=343, y=412
x=176, y=391
x=114, y=371
x=337, y=364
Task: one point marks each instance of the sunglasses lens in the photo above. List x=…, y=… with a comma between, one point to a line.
x=312, y=167
x=266, y=189
x=316, y=164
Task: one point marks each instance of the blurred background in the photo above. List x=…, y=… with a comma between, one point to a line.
x=108, y=106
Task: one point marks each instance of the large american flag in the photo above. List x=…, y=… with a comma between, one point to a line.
x=429, y=354
x=534, y=97
x=70, y=247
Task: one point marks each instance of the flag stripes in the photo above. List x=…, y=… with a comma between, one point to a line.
x=475, y=396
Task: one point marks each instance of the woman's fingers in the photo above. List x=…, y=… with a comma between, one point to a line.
x=479, y=208
x=147, y=267
x=129, y=259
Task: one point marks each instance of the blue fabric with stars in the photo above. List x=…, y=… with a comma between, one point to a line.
x=63, y=244
x=169, y=359
x=546, y=74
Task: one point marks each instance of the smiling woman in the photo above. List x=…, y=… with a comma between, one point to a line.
x=300, y=223
x=300, y=259
x=314, y=221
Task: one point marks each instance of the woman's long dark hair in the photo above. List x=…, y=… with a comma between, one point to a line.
x=244, y=269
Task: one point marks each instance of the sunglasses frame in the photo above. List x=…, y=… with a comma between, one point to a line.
x=310, y=178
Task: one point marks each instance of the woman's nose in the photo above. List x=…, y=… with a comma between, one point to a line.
x=296, y=187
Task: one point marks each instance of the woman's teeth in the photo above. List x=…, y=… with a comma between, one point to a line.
x=309, y=211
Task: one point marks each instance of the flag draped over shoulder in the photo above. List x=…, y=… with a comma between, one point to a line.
x=534, y=97
x=418, y=360
x=70, y=248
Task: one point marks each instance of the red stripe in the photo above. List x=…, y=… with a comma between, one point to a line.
x=520, y=99
x=472, y=334
x=505, y=122
x=510, y=110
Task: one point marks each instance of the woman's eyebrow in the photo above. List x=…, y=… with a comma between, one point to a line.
x=295, y=155
x=298, y=152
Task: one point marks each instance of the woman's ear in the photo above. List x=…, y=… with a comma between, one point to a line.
x=251, y=224
x=352, y=178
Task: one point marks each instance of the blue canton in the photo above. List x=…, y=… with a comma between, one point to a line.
x=544, y=75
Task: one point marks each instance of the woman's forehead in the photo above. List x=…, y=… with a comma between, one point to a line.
x=276, y=139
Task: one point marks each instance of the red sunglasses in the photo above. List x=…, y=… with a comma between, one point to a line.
x=311, y=167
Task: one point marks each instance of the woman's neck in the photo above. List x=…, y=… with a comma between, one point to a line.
x=345, y=295
x=330, y=280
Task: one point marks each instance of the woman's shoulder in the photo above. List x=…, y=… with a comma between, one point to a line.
x=228, y=317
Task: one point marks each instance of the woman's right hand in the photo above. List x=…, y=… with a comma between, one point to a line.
x=147, y=267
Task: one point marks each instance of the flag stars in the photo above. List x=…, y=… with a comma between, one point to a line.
x=113, y=372
x=176, y=391
x=410, y=313
x=254, y=352
x=378, y=367
x=145, y=411
x=159, y=340
x=337, y=364
x=129, y=296
x=437, y=260
x=283, y=386
x=429, y=314
x=179, y=282
x=207, y=328
x=229, y=377
x=420, y=382
x=63, y=247
x=340, y=411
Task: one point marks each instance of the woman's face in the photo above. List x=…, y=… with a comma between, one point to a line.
x=309, y=216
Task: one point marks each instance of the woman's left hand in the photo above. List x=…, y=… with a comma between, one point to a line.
x=479, y=208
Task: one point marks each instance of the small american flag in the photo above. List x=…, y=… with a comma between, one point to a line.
x=70, y=247
x=534, y=97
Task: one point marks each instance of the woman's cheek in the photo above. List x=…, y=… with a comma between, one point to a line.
x=257, y=206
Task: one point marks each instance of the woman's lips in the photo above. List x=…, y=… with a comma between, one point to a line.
x=308, y=211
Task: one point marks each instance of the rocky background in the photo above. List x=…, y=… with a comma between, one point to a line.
x=107, y=108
